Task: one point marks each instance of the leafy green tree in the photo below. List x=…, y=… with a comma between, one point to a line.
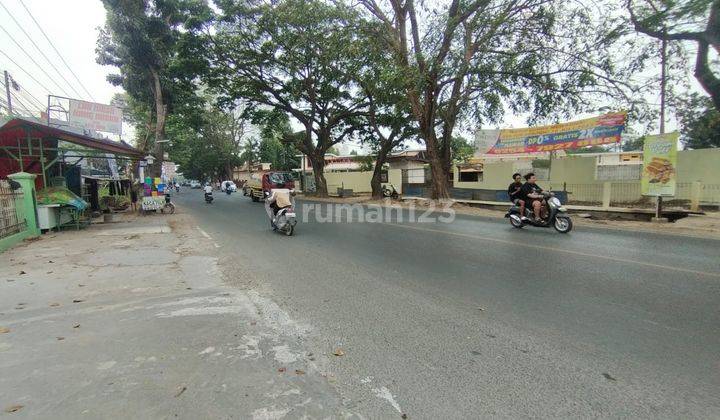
x=634, y=145
x=462, y=150
x=695, y=21
x=470, y=60
x=295, y=56
x=274, y=144
x=699, y=122
x=142, y=39
x=210, y=149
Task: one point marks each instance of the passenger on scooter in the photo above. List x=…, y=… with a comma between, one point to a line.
x=532, y=194
x=276, y=201
x=515, y=193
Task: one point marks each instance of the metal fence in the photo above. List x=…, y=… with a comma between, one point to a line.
x=629, y=193
x=11, y=222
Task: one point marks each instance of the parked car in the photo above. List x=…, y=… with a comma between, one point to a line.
x=195, y=184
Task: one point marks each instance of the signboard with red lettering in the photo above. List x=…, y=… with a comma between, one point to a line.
x=95, y=116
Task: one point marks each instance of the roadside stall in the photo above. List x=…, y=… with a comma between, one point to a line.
x=72, y=168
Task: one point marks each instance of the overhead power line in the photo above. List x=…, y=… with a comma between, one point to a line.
x=64, y=92
x=22, y=91
x=41, y=51
x=56, y=50
x=25, y=71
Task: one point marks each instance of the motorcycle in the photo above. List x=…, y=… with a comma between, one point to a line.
x=557, y=216
x=168, y=207
x=228, y=191
x=390, y=191
x=281, y=220
x=208, y=198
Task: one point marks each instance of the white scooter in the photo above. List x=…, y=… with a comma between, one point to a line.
x=284, y=220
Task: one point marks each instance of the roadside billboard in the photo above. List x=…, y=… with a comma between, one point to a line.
x=659, y=175
x=603, y=129
x=95, y=116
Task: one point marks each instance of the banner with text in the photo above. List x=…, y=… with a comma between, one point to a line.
x=95, y=116
x=659, y=174
x=603, y=129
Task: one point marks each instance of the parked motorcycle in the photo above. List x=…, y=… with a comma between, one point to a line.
x=390, y=191
x=208, y=198
x=168, y=207
x=557, y=216
x=283, y=219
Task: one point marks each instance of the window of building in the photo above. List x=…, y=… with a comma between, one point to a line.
x=470, y=176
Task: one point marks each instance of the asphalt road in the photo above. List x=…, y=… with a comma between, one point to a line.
x=476, y=319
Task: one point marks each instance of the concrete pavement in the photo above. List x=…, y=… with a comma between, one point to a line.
x=134, y=321
x=476, y=319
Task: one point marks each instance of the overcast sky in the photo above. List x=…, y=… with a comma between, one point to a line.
x=72, y=26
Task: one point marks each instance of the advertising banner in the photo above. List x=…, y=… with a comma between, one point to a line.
x=95, y=116
x=603, y=129
x=659, y=174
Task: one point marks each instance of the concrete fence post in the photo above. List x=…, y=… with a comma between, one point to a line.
x=29, y=204
x=695, y=192
x=607, y=189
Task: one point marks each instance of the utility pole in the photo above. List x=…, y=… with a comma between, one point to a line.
x=7, y=92
x=663, y=83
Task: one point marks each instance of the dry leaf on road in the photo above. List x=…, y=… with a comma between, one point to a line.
x=76, y=326
x=4, y=330
x=14, y=408
x=339, y=352
x=282, y=369
x=180, y=391
x=299, y=372
x=78, y=300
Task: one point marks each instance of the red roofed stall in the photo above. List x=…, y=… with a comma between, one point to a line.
x=32, y=146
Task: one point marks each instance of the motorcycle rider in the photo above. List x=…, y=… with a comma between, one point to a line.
x=515, y=193
x=532, y=194
x=208, y=189
x=276, y=201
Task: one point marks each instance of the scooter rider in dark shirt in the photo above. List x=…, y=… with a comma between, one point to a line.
x=516, y=195
x=532, y=194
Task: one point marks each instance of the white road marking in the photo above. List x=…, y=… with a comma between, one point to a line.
x=205, y=234
x=207, y=350
x=385, y=394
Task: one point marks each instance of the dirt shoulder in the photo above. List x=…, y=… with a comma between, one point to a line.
x=701, y=226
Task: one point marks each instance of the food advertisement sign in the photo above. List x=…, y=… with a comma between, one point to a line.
x=602, y=129
x=659, y=174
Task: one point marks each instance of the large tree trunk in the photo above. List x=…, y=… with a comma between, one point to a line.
x=317, y=160
x=439, y=170
x=160, y=114
x=705, y=76
x=375, y=182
